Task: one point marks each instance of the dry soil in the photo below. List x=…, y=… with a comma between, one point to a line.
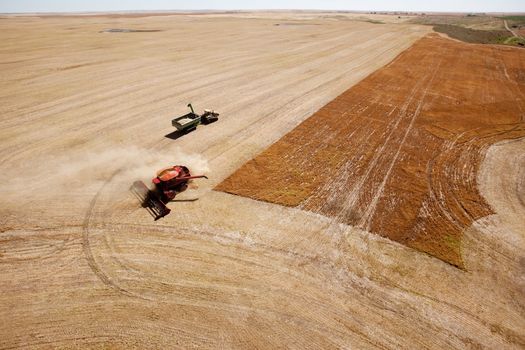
x=84, y=114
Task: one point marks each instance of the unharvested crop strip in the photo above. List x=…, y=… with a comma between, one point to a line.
x=398, y=153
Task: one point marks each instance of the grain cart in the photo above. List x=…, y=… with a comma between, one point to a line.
x=190, y=121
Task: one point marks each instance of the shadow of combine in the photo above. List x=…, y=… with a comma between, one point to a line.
x=184, y=200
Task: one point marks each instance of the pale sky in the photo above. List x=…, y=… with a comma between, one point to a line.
x=356, y=5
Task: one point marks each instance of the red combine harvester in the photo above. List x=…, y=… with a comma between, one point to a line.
x=168, y=183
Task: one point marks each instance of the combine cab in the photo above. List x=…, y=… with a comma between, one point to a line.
x=168, y=183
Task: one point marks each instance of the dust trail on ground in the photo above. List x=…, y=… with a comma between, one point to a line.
x=86, y=170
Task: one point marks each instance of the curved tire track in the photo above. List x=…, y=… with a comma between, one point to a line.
x=86, y=244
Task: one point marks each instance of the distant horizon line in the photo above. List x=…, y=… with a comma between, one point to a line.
x=264, y=10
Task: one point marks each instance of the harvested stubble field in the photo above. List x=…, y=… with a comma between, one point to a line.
x=399, y=153
x=84, y=114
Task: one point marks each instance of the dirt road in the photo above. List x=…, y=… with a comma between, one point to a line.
x=510, y=30
x=84, y=113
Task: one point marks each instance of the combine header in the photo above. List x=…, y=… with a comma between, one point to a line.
x=168, y=183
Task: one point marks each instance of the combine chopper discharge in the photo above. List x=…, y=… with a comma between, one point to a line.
x=168, y=183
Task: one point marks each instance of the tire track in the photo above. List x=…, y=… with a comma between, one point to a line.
x=87, y=249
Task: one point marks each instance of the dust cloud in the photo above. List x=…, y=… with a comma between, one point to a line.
x=85, y=171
